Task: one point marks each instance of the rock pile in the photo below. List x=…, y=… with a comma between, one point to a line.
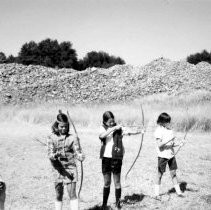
x=23, y=84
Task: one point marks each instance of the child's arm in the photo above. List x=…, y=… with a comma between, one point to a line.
x=52, y=153
x=103, y=135
x=161, y=145
x=182, y=142
x=128, y=132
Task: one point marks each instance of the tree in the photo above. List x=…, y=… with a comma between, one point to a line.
x=99, y=59
x=49, y=53
x=2, y=58
x=11, y=59
x=29, y=53
x=198, y=57
x=68, y=56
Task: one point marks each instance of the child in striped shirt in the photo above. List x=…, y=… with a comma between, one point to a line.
x=63, y=150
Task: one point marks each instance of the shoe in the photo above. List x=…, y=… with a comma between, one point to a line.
x=118, y=206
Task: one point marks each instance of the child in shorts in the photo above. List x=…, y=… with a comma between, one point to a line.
x=165, y=140
x=63, y=150
x=111, y=153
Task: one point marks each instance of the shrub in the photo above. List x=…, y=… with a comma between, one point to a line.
x=198, y=57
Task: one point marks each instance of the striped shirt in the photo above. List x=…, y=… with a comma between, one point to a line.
x=67, y=146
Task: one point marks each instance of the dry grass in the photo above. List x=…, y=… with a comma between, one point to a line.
x=191, y=111
x=27, y=172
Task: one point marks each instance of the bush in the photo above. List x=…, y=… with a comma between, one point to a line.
x=198, y=57
x=100, y=60
x=2, y=57
x=48, y=53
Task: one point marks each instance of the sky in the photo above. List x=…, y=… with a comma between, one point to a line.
x=138, y=31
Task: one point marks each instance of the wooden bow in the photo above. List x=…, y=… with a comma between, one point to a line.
x=74, y=128
x=142, y=138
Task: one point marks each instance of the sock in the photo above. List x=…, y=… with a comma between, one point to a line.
x=106, y=191
x=157, y=190
x=74, y=204
x=58, y=205
x=118, y=196
x=177, y=188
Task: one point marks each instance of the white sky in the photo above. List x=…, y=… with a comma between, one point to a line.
x=136, y=30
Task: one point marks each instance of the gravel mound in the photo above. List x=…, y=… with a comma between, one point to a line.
x=22, y=84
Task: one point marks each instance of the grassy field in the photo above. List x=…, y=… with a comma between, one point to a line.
x=27, y=171
x=188, y=111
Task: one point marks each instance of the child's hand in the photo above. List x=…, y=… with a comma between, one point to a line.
x=117, y=127
x=58, y=154
x=81, y=157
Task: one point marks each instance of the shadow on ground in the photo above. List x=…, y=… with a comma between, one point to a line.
x=183, y=187
x=98, y=207
x=132, y=199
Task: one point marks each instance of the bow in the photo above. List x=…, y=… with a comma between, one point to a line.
x=142, y=138
x=42, y=143
x=182, y=145
x=184, y=135
x=70, y=120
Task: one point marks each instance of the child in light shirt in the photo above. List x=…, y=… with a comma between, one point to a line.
x=165, y=140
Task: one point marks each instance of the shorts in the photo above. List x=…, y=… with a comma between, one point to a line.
x=65, y=173
x=111, y=165
x=162, y=162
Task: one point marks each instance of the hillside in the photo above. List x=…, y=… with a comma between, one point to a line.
x=23, y=84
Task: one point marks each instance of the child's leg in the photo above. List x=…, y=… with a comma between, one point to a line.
x=158, y=183
x=173, y=167
x=117, y=183
x=106, y=189
x=175, y=182
x=158, y=178
x=71, y=190
x=59, y=195
x=174, y=177
x=161, y=169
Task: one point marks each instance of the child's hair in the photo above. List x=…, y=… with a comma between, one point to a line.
x=163, y=118
x=106, y=116
x=61, y=118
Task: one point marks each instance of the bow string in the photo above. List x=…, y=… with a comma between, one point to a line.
x=140, y=147
x=76, y=133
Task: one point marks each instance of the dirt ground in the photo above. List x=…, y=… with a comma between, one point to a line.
x=27, y=172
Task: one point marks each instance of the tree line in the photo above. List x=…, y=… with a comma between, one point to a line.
x=198, y=57
x=51, y=53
